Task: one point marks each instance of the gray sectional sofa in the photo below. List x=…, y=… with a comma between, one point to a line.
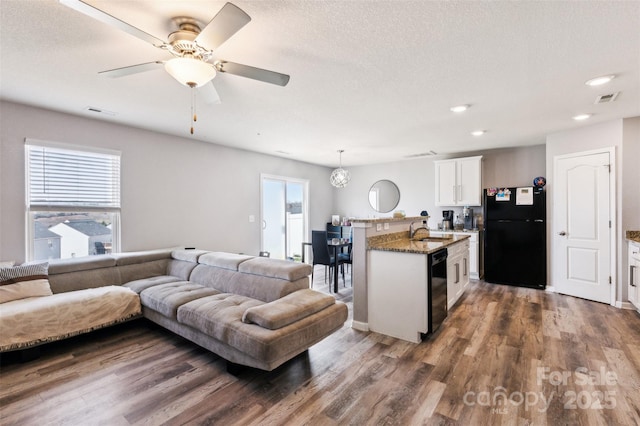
x=252, y=311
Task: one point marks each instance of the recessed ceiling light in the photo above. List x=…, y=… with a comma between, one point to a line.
x=599, y=80
x=581, y=117
x=459, y=108
x=478, y=132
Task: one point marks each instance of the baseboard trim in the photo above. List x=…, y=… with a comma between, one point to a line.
x=625, y=305
x=360, y=326
x=550, y=289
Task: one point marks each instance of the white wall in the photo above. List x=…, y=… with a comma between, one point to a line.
x=175, y=191
x=624, y=135
x=416, y=181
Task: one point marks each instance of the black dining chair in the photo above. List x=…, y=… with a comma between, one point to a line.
x=322, y=256
x=100, y=248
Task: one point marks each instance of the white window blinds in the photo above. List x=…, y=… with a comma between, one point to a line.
x=64, y=177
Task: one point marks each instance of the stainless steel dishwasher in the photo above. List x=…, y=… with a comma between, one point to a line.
x=437, y=302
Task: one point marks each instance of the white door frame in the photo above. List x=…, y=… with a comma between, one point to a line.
x=305, y=202
x=613, y=235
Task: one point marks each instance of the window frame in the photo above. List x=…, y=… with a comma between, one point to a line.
x=32, y=210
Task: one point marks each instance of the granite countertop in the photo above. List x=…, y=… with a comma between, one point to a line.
x=633, y=236
x=400, y=242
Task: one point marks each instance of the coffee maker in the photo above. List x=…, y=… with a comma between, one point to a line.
x=467, y=215
x=447, y=220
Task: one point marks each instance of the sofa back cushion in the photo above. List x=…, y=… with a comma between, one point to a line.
x=263, y=279
x=230, y=261
x=138, y=271
x=102, y=270
x=275, y=268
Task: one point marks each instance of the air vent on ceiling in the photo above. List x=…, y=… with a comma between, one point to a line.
x=422, y=154
x=603, y=99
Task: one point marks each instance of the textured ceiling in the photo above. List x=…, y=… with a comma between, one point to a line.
x=375, y=78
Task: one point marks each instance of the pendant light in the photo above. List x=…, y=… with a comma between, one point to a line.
x=340, y=177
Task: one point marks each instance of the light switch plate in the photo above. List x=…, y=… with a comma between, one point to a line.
x=252, y=218
x=378, y=227
x=386, y=226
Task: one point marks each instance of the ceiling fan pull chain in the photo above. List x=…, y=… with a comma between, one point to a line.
x=193, y=105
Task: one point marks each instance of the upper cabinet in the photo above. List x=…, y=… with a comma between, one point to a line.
x=459, y=182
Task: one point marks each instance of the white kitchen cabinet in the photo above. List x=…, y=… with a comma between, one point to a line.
x=459, y=182
x=634, y=272
x=475, y=258
x=457, y=271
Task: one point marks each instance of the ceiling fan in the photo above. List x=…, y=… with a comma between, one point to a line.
x=192, y=49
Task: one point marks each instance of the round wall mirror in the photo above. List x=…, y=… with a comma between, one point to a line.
x=384, y=196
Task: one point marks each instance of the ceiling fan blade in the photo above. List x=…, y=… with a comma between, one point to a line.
x=252, y=72
x=225, y=24
x=98, y=14
x=210, y=94
x=133, y=69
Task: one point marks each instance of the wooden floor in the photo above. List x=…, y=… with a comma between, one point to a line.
x=505, y=355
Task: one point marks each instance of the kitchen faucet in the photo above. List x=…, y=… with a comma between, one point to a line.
x=412, y=231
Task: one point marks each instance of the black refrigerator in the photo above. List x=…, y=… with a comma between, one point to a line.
x=515, y=242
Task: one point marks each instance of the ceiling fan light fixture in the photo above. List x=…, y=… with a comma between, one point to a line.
x=190, y=71
x=340, y=177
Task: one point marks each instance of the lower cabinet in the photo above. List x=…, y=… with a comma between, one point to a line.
x=475, y=262
x=457, y=272
x=634, y=272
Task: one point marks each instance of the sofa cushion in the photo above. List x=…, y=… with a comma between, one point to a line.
x=139, y=285
x=276, y=268
x=224, y=260
x=20, y=282
x=133, y=257
x=188, y=255
x=220, y=317
x=85, y=263
x=212, y=315
x=167, y=298
x=287, y=310
x=266, y=289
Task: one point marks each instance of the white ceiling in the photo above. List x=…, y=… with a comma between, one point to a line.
x=375, y=78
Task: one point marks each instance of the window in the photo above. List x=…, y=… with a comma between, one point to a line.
x=73, y=201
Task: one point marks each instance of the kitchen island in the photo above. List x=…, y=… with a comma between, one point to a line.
x=399, y=281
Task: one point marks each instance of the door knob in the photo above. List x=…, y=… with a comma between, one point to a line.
x=562, y=233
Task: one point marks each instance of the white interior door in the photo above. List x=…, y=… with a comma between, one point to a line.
x=582, y=234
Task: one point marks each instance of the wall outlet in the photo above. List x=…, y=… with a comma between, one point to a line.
x=386, y=226
x=378, y=227
x=252, y=218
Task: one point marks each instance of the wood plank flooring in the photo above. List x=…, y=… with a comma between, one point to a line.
x=504, y=356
